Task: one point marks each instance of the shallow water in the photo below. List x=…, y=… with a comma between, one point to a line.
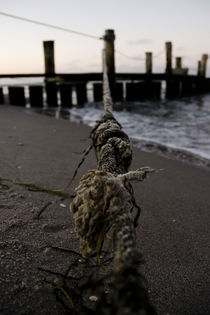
x=175, y=126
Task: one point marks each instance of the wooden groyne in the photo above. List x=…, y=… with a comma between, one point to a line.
x=123, y=86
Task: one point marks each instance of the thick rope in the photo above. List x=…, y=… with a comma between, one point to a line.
x=107, y=99
x=101, y=198
x=103, y=202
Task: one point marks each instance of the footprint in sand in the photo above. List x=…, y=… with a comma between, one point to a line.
x=53, y=228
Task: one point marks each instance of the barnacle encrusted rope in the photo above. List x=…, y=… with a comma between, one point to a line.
x=103, y=201
x=111, y=144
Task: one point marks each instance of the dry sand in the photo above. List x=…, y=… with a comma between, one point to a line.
x=172, y=234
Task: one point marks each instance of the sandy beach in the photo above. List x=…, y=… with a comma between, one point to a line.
x=173, y=231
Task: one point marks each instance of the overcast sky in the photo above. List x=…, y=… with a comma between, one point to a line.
x=140, y=26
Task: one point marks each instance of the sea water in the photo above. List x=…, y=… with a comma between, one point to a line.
x=179, y=128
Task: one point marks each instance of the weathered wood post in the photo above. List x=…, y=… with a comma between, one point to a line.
x=17, y=95
x=148, y=62
x=97, y=92
x=178, y=63
x=81, y=91
x=65, y=90
x=199, y=68
x=49, y=57
x=204, y=64
x=109, y=38
x=169, y=82
x=1, y=96
x=36, y=96
x=205, y=85
x=168, y=46
x=51, y=89
x=151, y=89
x=199, y=83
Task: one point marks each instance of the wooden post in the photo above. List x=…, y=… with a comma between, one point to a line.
x=169, y=82
x=119, y=92
x=204, y=64
x=178, y=62
x=109, y=38
x=135, y=91
x=66, y=94
x=36, y=96
x=97, y=92
x=168, y=57
x=81, y=91
x=148, y=62
x=1, y=96
x=49, y=57
x=199, y=68
x=151, y=89
x=51, y=92
x=17, y=95
x=51, y=88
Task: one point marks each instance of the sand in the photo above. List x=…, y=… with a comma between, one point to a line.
x=172, y=234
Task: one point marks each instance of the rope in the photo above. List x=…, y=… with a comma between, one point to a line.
x=129, y=57
x=103, y=203
x=107, y=99
x=139, y=58
x=159, y=53
x=49, y=25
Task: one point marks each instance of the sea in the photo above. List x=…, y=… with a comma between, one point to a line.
x=178, y=129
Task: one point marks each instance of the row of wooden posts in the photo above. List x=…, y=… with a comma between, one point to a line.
x=139, y=91
x=64, y=91
x=138, y=86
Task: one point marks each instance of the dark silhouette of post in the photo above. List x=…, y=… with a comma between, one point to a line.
x=36, y=95
x=170, y=86
x=199, y=68
x=81, y=91
x=204, y=64
x=168, y=57
x=1, y=96
x=17, y=95
x=148, y=62
x=109, y=38
x=178, y=63
x=51, y=88
x=66, y=94
x=49, y=57
x=199, y=83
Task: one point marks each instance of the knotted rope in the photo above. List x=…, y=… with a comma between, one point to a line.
x=104, y=201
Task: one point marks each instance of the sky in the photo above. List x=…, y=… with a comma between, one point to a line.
x=139, y=25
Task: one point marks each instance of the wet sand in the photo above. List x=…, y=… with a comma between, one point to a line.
x=173, y=231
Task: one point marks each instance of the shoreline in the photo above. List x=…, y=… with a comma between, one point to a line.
x=173, y=153
x=160, y=149
x=172, y=234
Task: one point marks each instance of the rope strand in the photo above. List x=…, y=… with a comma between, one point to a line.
x=49, y=25
x=107, y=99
